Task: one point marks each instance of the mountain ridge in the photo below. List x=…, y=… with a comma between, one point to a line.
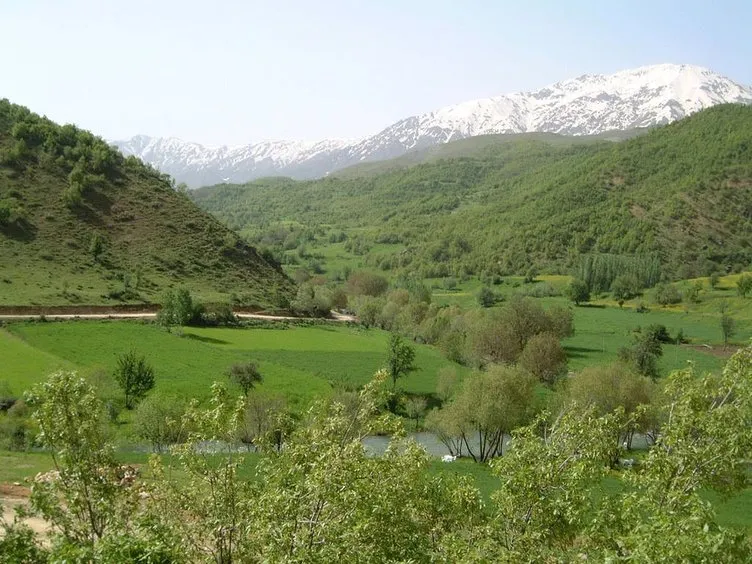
x=680, y=192
x=586, y=105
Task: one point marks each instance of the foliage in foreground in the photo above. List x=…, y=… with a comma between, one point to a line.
x=322, y=498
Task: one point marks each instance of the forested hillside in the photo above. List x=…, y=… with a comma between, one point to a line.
x=79, y=223
x=681, y=193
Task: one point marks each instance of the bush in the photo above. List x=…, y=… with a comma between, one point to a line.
x=486, y=297
x=625, y=287
x=659, y=333
x=158, y=420
x=578, y=292
x=311, y=302
x=219, y=314
x=363, y=283
x=667, y=294
x=450, y=283
x=178, y=308
x=744, y=285
x=7, y=397
x=540, y=290
x=15, y=428
x=544, y=357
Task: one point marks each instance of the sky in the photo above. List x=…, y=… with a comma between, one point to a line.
x=234, y=72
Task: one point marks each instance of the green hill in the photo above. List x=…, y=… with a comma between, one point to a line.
x=480, y=146
x=681, y=194
x=79, y=223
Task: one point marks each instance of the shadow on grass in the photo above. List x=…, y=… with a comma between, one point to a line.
x=203, y=339
x=594, y=306
x=580, y=352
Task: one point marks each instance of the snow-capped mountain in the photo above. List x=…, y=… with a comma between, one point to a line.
x=589, y=104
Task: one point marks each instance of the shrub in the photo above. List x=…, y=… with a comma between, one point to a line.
x=450, y=283
x=744, y=285
x=158, y=420
x=625, y=287
x=667, y=294
x=578, y=291
x=544, y=357
x=311, y=302
x=659, y=333
x=486, y=297
x=219, y=314
x=178, y=308
x=363, y=283
x=7, y=397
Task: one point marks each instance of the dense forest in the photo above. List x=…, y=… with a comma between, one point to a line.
x=79, y=223
x=681, y=194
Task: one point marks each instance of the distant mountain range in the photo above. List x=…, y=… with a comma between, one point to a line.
x=586, y=105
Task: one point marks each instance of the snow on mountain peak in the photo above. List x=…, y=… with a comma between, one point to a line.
x=586, y=105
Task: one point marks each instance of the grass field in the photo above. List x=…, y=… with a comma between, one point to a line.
x=602, y=327
x=299, y=362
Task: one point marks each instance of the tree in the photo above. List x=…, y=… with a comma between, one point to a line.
x=246, y=375
x=486, y=297
x=264, y=421
x=544, y=357
x=368, y=310
x=625, y=287
x=667, y=294
x=446, y=383
x=415, y=408
x=364, y=283
x=605, y=389
x=325, y=497
x=158, y=420
x=84, y=501
x=744, y=285
x=643, y=354
x=311, y=301
x=489, y=405
x=178, y=308
x=96, y=246
x=134, y=376
x=728, y=328
x=578, y=291
x=400, y=359
x=702, y=446
x=544, y=500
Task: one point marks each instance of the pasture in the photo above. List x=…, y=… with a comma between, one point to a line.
x=300, y=363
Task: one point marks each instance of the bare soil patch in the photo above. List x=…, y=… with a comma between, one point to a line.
x=715, y=350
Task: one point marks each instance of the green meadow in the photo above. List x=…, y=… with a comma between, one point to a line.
x=299, y=362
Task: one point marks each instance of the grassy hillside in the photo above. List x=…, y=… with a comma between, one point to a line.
x=480, y=146
x=682, y=193
x=81, y=224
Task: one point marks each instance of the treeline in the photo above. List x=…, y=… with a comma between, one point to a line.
x=87, y=160
x=680, y=193
x=321, y=497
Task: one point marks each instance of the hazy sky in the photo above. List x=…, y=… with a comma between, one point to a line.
x=231, y=72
